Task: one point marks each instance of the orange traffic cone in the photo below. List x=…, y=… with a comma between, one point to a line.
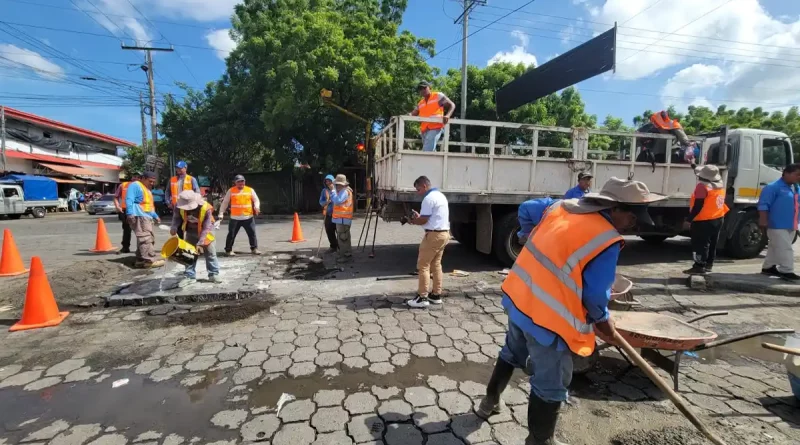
x=40, y=310
x=10, y=261
x=297, y=231
x=102, y=243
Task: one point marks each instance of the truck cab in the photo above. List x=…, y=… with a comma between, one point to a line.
x=12, y=201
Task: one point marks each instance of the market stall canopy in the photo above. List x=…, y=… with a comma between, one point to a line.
x=70, y=170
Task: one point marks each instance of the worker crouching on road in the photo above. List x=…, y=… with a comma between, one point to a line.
x=245, y=206
x=195, y=218
x=434, y=217
x=342, y=217
x=529, y=215
x=558, y=288
x=706, y=211
x=326, y=202
x=119, y=203
x=141, y=212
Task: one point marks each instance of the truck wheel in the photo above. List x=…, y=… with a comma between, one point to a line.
x=505, y=245
x=653, y=239
x=748, y=240
x=38, y=212
x=464, y=233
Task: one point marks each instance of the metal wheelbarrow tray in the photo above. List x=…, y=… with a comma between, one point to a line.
x=651, y=332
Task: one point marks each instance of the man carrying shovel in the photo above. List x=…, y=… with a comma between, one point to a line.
x=196, y=218
x=558, y=288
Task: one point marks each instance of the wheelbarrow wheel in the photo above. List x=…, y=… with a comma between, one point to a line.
x=582, y=365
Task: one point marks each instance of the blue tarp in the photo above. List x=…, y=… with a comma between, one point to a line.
x=35, y=188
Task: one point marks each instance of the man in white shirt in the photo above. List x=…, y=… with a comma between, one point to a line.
x=434, y=217
x=245, y=206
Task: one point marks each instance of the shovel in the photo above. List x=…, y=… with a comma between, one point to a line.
x=316, y=259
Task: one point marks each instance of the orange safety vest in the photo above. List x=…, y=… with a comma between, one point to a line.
x=345, y=209
x=546, y=281
x=241, y=201
x=664, y=124
x=205, y=211
x=123, y=194
x=714, y=206
x=430, y=108
x=173, y=187
x=146, y=205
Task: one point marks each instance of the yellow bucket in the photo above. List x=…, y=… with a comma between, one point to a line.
x=180, y=251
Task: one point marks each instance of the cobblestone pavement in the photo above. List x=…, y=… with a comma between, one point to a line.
x=362, y=368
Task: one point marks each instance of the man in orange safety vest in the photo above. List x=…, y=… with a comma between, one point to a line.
x=432, y=104
x=707, y=208
x=245, y=206
x=119, y=202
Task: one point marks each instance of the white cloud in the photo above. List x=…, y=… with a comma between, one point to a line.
x=698, y=79
x=22, y=58
x=518, y=53
x=107, y=13
x=221, y=41
x=200, y=10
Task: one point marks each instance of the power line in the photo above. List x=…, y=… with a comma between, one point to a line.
x=640, y=12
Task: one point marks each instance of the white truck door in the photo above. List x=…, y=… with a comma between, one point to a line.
x=12, y=202
x=774, y=156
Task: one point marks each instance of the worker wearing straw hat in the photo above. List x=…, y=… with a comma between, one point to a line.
x=196, y=218
x=557, y=293
x=342, y=216
x=706, y=211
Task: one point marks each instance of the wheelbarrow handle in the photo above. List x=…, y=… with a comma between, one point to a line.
x=706, y=315
x=735, y=338
x=785, y=349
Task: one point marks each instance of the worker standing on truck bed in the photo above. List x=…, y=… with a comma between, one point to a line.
x=434, y=217
x=529, y=214
x=432, y=104
x=778, y=209
x=119, y=202
x=706, y=210
x=558, y=288
x=662, y=121
x=583, y=187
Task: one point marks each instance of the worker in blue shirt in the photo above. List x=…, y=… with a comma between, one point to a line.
x=326, y=202
x=778, y=210
x=529, y=214
x=141, y=212
x=583, y=187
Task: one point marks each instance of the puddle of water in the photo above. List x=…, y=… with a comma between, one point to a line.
x=751, y=348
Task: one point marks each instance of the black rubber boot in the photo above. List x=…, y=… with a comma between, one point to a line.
x=542, y=419
x=497, y=384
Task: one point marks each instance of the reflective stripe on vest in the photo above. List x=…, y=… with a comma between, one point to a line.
x=714, y=206
x=241, y=201
x=345, y=209
x=173, y=187
x=430, y=108
x=546, y=281
x=123, y=194
x=146, y=205
x=205, y=211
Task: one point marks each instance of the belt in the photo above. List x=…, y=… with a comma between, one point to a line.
x=436, y=231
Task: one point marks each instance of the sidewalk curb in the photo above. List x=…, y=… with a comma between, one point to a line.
x=750, y=283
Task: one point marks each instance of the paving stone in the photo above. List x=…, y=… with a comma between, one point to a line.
x=710, y=403
x=254, y=358
x=298, y=410
x=370, y=328
x=466, y=346
x=263, y=333
x=420, y=396
x=284, y=337
x=200, y=363
x=454, y=402
x=47, y=432
x=295, y=434
x=305, y=354
x=441, y=383
x=402, y=434
x=224, y=365
x=520, y=413
x=247, y=374
x=373, y=340
x=147, y=436
x=21, y=379
x=179, y=358
x=9, y=370
x=456, y=333
x=382, y=368
x=480, y=338
x=286, y=325
x=510, y=433
x=42, y=383
x=327, y=332
x=477, y=358
x=352, y=349
x=376, y=355
x=327, y=359
x=473, y=389
x=231, y=353
x=423, y=350
x=360, y=403
x=750, y=409
x=327, y=420
x=328, y=345
x=748, y=384
x=110, y=439
x=305, y=341
x=627, y=392
x=443, y=439
x=329, y=397
x=355, y=362
x=472, y=429
x=212, y=348
x=346, y=335
x=65, y=367
x=237, y=339
x=392, y=332
x=165, y=373
x=449, y=355
x=431, y=419
x=432, y=329
x=385, y=393
x=416, y=337
x=302, y=369
x=335, y=438
x=394, y=411
x=514, y=396
x=490, y=350
x=364, y=428
x=400, y=359
x=258, y=344
x=281, y=349
x=441, y=341
x=77, y=435
x=230, y=419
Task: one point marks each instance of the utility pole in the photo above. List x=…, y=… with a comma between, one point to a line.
x=464, y=18
x=3, y=137
x=148, y=69
x=144, y=124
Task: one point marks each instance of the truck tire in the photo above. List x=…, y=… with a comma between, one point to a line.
x=38, y=212
x=747, y=240
x=653, y=239
x=505, y=245
x=464, y=233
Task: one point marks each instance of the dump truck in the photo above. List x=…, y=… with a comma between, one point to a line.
x=509, y=163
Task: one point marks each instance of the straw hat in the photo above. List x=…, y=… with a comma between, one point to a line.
x=189, y=200
x=710, y=174
x=341, y=180
x=633, y=194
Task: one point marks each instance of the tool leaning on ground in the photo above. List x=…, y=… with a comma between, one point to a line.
x=316, y=259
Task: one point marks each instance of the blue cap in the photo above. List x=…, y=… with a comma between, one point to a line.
x=330, y=177
x=181, y=164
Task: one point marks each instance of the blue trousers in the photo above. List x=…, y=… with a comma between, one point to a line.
x=430, y=138
x=212, y=263
x=552, y=369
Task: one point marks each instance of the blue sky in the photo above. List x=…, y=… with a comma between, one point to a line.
x=671, y=52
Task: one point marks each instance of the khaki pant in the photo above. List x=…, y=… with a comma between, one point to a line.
x=429, y=261
x=345, y=245
x=779, y=250
x=145, y=238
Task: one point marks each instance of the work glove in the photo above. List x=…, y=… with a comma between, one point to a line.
x=217, y=224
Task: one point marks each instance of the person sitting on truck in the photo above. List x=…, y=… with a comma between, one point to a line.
x=707, y=208
x=141, y=213
x=584, y=184
x=778, y=214
x=662, y=122
x=529, y=214
x=557, y=295
x=432, y=104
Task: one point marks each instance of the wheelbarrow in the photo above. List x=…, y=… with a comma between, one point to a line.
x=653, y=332
x=792, y=363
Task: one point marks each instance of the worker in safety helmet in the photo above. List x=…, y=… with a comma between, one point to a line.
x=557, y=294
